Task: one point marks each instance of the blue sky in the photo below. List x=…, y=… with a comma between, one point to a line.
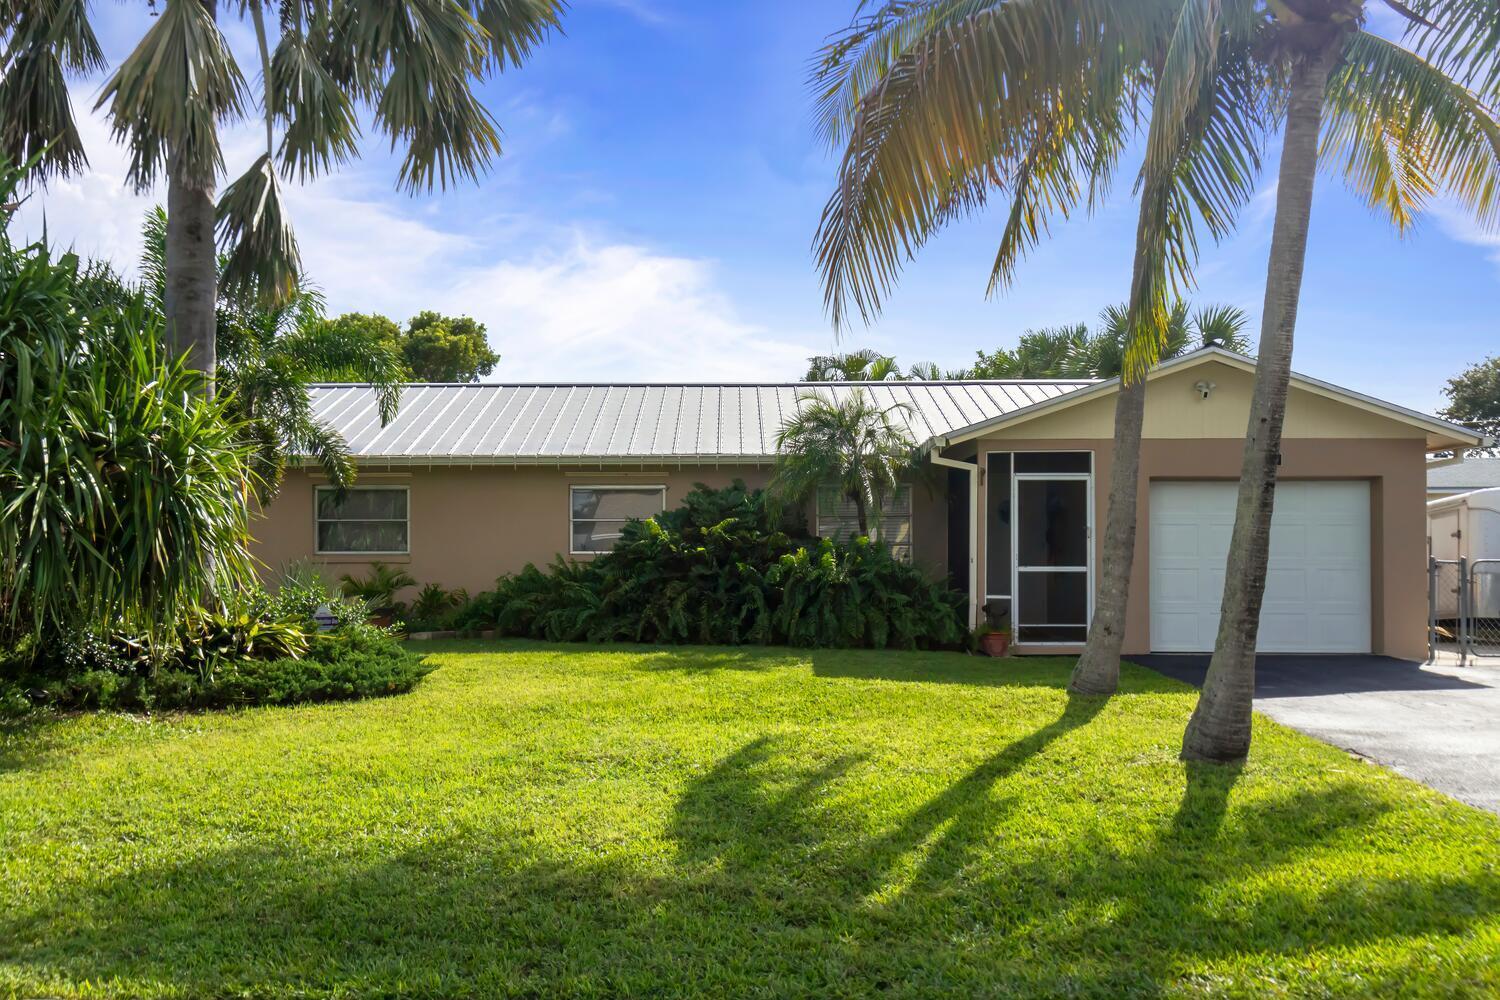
x=652, y=216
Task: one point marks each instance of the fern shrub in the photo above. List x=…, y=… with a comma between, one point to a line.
x=722, y=570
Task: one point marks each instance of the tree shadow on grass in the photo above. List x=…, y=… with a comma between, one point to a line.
x=782, y=872
x=899, y=666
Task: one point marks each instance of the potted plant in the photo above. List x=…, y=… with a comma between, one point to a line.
x=379, y=591
x=993, y=640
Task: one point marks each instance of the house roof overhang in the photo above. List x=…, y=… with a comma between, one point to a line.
x=1441, y=435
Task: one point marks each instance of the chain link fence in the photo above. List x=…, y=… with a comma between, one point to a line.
x=1463, y=616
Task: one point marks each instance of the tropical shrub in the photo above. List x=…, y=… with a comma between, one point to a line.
x=722, y=569
x=379, y=587
x=435, y=607
x=122, y=484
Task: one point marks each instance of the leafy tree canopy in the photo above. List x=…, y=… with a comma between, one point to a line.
x=1474, y=398
x=447, y=348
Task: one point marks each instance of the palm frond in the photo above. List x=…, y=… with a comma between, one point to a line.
x=1403, y=130
x=153, y=259
x=514, y=28
x=1222, y=326
x=36, y=115
x=170, y=93
x=946, y=116
x=262, y=260
x=1461, y=38
x=321, y=129
x=45, y=41
x=430, y=53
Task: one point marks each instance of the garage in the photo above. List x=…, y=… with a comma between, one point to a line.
x=1317, y=582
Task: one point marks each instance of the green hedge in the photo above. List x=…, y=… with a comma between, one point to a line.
x=720, y=570
x=268, y=653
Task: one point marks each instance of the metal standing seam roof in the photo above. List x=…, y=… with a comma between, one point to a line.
x=551, y=423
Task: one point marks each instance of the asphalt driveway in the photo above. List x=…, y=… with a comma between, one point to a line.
x=1438, y=724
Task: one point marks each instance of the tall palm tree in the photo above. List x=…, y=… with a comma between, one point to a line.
x=269, y=353
x=851, y=443
x=940, y=104
x=1403, y=120
x=412, y=63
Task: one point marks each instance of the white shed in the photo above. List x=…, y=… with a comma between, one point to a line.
x=1467, y=526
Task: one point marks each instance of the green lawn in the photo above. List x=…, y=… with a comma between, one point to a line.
x=538, y=820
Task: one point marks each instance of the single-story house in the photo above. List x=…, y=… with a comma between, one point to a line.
x=1448, y=478
x=471, y=481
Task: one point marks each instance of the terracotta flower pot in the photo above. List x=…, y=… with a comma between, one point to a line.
x=995, y=643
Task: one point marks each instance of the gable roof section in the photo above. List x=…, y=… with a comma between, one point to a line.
x=591, y=424
x=1440, y=433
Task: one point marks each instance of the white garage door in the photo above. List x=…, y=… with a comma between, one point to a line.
x=1317, y=584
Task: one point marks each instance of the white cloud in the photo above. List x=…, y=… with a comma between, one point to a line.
x=592, y=311
x=559, y=303
x=1460, y=225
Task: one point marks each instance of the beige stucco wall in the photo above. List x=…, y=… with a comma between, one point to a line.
x=1175, y=410
x=1188, y=437
x=471, y=524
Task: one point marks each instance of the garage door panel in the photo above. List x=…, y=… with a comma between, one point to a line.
x=1317, y=579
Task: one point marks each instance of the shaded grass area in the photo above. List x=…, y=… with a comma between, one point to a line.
x=546, y=820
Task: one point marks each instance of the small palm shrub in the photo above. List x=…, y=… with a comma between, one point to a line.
x=434, y=608
x=379, y=587
x=723, y=570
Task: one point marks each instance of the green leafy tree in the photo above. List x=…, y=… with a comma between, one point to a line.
x=1474, y=400
x=411, y=65
x=447, y=348
x=912, y=93
x=850, y=443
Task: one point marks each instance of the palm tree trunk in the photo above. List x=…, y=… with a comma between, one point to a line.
x=860, y=514
x=192, y=267
x=1220, y=726
x=1098, y=669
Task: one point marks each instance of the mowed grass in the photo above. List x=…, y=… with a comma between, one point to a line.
x=540, y=820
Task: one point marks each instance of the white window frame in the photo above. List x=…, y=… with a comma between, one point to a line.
x=1015, y=538
x=317, y=520
x=631, y=487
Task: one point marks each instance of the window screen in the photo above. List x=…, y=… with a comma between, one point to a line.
x=838, y=519
x=371, y=519
x=600, y=513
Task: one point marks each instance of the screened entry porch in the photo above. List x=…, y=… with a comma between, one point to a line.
x=1037, y=549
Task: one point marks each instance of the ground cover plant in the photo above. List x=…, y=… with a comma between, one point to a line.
x=540, y=820
x=723, y=568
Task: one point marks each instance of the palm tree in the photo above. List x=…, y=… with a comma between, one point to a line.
x=269, y=354
x=849, y=443
x=865, y=365
x=1103, y=354
x=412, y=63
x=1403, y=121
x=940, y=103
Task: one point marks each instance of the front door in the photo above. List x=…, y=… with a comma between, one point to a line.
x=1053, y=527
